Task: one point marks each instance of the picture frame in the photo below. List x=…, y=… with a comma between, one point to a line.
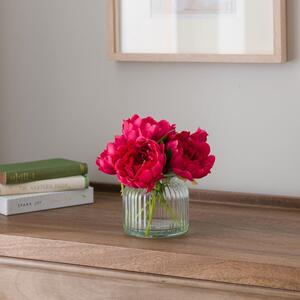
x=192, y=13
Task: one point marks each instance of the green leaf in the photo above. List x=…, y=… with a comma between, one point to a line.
x=122, y=189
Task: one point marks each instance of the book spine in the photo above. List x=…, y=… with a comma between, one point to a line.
x=69, y=170
x=3, y=206
x=44, y=186
x=38, y=202
x=2, y=177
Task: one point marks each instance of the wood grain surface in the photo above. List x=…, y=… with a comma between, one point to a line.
x=23, y=279
x=255, y=246
x=219, y=197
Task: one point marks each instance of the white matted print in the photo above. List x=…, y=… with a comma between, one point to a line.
x=192, y=7
x=198, y=30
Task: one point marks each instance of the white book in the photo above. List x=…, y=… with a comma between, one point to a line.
x=45, y=186
x=18, y=204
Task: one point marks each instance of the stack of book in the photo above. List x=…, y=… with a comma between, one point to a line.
x=44, y=184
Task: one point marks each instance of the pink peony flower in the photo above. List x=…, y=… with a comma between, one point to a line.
x=138, y=164
x=146, y=127
x=190, y=156
x=106, y=160
x=141, y=164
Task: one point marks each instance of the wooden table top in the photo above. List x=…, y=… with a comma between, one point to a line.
x=257, y=246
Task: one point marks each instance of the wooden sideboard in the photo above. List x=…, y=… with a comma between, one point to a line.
x=233, y=251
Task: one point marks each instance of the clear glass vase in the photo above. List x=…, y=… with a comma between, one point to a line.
x=162, y=213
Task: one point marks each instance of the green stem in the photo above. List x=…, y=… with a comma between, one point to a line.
x=122, y=189
x=152, y=207
x=157, y=195
x=163, y=202
x=142, y=212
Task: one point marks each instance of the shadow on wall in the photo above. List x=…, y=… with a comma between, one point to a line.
x=292, y=29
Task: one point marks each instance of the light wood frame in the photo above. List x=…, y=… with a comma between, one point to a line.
x=279, y=56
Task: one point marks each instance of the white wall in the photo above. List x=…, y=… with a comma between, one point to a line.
x=60, y=96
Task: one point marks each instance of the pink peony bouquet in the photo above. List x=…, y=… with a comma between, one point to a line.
x=148, y=151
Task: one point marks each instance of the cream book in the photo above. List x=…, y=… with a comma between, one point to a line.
x=18, y=204
x=45, y=186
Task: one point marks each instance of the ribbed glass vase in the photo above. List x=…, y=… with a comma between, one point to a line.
x=162, y=213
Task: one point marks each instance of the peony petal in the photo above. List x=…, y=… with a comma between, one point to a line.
x=145, y=176
x=183, y=173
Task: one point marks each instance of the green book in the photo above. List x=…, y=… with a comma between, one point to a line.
x=40, y=170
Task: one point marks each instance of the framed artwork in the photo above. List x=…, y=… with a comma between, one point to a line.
x=234, y=31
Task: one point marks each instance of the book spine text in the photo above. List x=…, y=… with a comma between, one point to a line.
x=46, y=173
x=12, y=205
x=44, y=186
